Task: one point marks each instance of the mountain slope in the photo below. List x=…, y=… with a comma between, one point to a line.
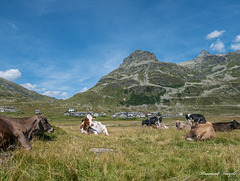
x=143, y=83
x=140, y=79
x=9, y=91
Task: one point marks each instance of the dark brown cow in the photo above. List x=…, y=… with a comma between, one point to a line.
x=22, y=129
x=226, y=126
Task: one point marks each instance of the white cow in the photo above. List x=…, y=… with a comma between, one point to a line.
x=90, y=126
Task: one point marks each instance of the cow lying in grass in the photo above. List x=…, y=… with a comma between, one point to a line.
x=180, y=125
x=155, y=120
x=13, y=130
x=161, y=126
x=201, y=132
x=226, y=126
x=195, y=118
x=89, y=126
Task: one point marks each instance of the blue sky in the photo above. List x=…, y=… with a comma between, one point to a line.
x=61, y=47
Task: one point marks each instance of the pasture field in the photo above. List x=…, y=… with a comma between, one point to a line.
x=138, y=153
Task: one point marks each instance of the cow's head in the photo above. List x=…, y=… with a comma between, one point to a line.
x=43, y=125
x=86, y=123
x=235, y=124
x=189, y=120
x=178, y=123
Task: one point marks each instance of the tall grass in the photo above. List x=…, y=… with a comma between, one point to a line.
x=140, y=153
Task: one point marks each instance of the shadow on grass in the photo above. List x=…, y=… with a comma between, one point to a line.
x=50, y=137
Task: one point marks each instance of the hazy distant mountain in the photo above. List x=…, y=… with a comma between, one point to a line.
x=12, y=92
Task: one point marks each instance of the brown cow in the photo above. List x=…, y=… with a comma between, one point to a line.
x=22, y=129
x=89, y=126
x=201, y=132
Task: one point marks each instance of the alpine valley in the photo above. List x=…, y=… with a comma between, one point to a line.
x=208, y=83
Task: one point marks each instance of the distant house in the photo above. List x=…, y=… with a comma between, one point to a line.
x=103, y=114
x=7, y=109
x=142, y=115
x=67, y=113
x=71, y=110
x=180, y=114
x=123, y=115
x=95, y=114
x=154, y=114
x=37, y=111
x=130, y=115
x=76, y=114
x=90, y=112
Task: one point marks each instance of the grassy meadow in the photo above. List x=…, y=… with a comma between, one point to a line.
x=139, y=153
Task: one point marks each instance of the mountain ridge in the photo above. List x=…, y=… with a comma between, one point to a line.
x=17, y=93
x=143, y=82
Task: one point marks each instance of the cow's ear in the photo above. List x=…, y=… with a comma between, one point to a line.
x=40, y=115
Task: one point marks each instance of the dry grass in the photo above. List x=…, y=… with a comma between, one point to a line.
x=140, y=153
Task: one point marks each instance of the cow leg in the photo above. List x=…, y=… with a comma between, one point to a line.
x=190, y=135
x=23, y=141
x=105, y=130
x=83, y=131
x=189, y=122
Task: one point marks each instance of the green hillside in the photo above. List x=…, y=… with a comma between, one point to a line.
x=141, y=82
x=10, y=91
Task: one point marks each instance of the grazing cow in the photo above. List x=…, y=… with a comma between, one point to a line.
x=201, y=132
x=226, y=126
x=156, y=120
x=182, y=126
x=195, y=118
x=88, y=126
x=22, y=129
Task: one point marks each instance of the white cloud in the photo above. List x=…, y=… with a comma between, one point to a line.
x=33, y=87
x=235, y=47
x=64, y=95
x=12, y=74
x=215, y=34
x=52, y=93
x=13, y=25
x=84, y=89
x=218, y=46
x=237, y=39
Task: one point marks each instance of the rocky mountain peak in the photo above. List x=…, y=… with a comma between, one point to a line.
x=203, y=54
x=137, y=58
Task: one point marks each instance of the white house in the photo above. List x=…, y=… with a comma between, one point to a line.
x=71, y=110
